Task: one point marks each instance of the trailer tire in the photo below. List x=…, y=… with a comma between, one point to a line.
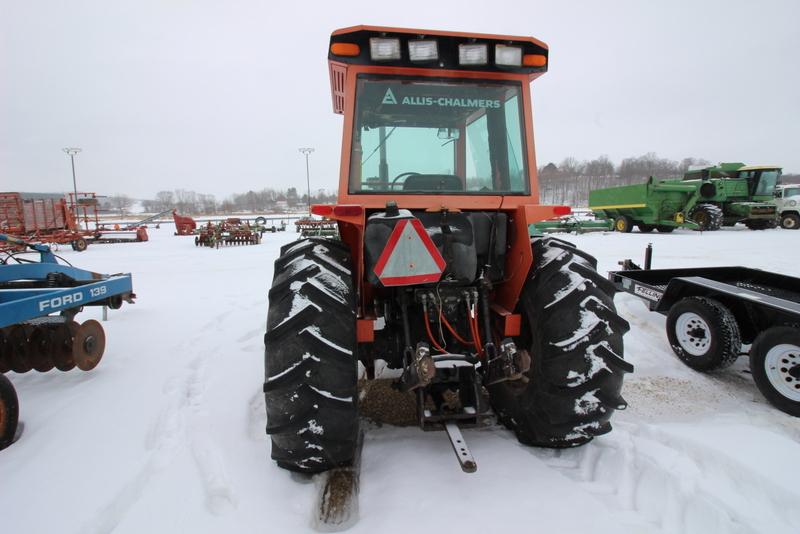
x=707, y=216
x=703, y=333
x=623, y=224
x=790, y=221
x=310, y=357
x=9, y=412
x=775, y=365
x=574, y=382
x=646, y=228
x=79, y=244
x=664, y=229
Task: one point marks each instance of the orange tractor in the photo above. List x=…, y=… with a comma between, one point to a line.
x=433, y=270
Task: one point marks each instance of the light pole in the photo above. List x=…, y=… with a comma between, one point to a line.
x=307, y=151
x=72, y=151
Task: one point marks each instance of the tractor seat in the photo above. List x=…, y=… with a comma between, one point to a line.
x=433, y=182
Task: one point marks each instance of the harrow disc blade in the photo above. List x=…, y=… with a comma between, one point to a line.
x=20, y=347
x=62, y=346
x=88, y=345
x=40, y=349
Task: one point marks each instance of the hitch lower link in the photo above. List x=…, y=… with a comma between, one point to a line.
x=421, y=369
x=510, y=364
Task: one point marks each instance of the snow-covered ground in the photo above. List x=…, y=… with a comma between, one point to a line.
x=167, y=433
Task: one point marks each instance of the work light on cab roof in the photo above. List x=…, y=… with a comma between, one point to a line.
x=433, y=271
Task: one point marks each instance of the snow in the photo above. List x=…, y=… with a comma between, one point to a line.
x=167, y=433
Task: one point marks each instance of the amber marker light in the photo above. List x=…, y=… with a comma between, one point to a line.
x=345, y=49
x=534, y=60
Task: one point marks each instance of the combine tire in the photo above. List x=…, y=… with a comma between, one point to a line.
x=574, y=336
x=664, y=229
x=775, y=364
x=760, y=224
x=707, y=216
x=790, y=221
x=646, y=228
x=703, y=333
x=623, y=224
x=9, y=412
x=311, y=364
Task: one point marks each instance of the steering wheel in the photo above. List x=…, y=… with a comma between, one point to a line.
x=401, y=175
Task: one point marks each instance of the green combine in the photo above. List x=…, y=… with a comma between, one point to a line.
x=705, y=199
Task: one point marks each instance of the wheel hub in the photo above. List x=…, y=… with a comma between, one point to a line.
x=693, y=334
x=782, y=365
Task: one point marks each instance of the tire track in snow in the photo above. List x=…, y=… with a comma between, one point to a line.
x=657, y=480
x=179, y=424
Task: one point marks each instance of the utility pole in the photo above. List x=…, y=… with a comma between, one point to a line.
x=72, y=151
x=307, y=151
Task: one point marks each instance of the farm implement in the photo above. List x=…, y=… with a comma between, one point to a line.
x=228, y=232
x=38, y=305
x=429, y=267
x=73, y=220
x=705, y=199
x=571, y=224
x=714, y=312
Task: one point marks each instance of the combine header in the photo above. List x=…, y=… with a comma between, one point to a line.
x=38, y=305
x=433, y=271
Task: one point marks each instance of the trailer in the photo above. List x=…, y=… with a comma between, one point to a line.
x=38, y=331
x=713, y=312
x=73, y=220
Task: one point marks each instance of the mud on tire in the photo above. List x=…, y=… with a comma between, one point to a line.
x=311, y=366
x=574, y=336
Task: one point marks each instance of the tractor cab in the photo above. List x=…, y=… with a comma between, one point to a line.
x=435, y=114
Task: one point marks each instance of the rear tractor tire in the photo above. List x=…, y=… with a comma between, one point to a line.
x=707, y=216
x=311, y=364
x=703, y=333
x=574, y=336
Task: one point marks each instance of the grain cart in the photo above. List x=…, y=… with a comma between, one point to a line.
x=705, y=199
x=787, y=197
x=433, y=270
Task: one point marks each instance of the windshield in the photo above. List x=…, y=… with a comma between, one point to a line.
x=791, y=192
x=415, y=135
x=766, y=183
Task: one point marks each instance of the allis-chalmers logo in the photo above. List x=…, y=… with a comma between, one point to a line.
x=443, y=101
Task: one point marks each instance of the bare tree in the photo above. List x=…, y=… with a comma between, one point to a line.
x=120, y=203
x=164, y=200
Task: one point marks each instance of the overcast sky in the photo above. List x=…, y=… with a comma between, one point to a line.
x=216, y=96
